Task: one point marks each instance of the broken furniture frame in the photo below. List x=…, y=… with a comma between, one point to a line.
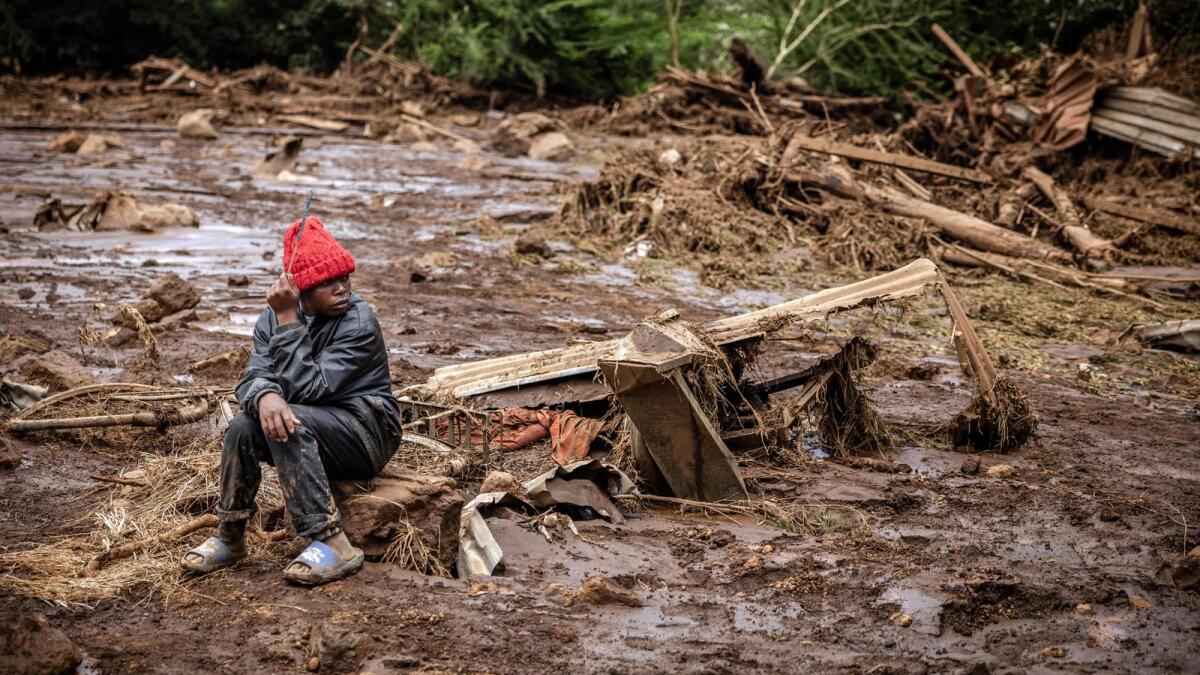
x=645, y=371
x=454, y=425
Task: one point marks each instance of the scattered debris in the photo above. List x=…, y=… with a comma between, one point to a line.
x=314, y=122
x=1182, y=335
x=18, y=395
x=113, y=211
x=67, y=141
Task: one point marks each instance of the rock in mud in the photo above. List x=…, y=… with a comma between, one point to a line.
x=57, y=370
x=970, y=465
x=514, y=136
x=29, y=645
x=173, y=293
x=551, y=147
x=597, y=590
x=197, y=124
x=375, y=512
x=224, y=367
x=1185, y=573
x=502, y=481
x=531, y=244
x=96, y=144
x=10, y=457
x=67, y=141
x=15, y=345
x=338, y=648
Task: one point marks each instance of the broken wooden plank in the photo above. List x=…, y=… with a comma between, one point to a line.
x=1161, y=217
x=314, y=122
x=889, y=158
x=682, y=441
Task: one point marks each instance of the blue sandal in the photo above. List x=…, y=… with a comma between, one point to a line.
x=323, y=565
x=214, y=555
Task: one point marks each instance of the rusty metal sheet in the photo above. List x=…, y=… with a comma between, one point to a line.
x=1069, y=98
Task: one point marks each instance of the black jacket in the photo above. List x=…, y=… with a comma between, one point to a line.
x=327, y=361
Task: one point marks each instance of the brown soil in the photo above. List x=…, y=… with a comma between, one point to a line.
x=990, y=570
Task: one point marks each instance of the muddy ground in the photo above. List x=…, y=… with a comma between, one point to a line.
x=1059, y=567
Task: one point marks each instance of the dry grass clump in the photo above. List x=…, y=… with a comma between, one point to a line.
x=175, y=488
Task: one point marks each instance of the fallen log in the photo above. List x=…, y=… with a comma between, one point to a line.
x=1074, y=231
x=955, y=224
x=828, y=147
x=126, y=550
x=1040, y=271
x=139, y=419
x=1167, y=219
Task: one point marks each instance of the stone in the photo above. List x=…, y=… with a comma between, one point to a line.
x=670, y=157
x=239, y=280
x=502, y=481
x=374, y=512
x=149, y=308
x=1084, y=609
x=177, y=319
x=553, y=146
x=67, y=141
x=57, y=370
x=970, y=465
x=514, y=135
x=531, y=244
x=96, y=144
x=10, y=457
x=29, y=645
x=1185, y=573
x=223, y=367
x=197, y=124
x=173, y=293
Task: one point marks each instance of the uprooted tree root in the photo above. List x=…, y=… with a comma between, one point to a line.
x=849, y=423
x=1000, y=420
x=409, y=551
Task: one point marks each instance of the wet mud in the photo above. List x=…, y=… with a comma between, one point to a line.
x=1058, y=567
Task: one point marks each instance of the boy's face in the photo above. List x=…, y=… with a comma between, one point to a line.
x=328, y=298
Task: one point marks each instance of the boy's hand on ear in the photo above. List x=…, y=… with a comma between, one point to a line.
x=283, y=298
x=276, y=417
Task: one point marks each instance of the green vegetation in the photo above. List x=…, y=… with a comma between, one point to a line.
x=589, y=48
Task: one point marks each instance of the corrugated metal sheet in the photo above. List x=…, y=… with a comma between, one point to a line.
x=470, y=379
x=1150, y=118
x=1069, y=99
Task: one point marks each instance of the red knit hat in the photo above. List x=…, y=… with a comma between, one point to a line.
x=319, y=259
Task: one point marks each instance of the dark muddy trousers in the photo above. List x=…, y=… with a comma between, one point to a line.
x=325, y=446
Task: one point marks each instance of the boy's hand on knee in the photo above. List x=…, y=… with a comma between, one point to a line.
x=278, y=422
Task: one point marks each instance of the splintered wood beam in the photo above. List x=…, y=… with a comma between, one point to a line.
x=889, y=158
